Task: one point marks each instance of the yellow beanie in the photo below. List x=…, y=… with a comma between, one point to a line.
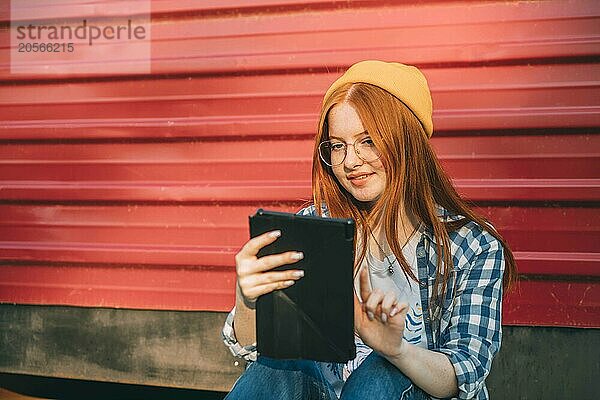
x=405, y=82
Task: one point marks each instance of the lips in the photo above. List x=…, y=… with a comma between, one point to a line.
x=359, y=179
x=359, y=176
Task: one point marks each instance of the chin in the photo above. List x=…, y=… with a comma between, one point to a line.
x=367, y=198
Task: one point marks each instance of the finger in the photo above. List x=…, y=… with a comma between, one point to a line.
x=365, y=286
x=389, y=300
x=267, y=263
x=372, y=303
x=358, y=314
x=248, y=283
x=257, y=291
x=399, y=311
x=253, y=246
x=270, y=277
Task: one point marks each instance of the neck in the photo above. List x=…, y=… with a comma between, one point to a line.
x=406, y=226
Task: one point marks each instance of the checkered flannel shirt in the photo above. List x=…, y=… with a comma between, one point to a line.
x=467, y=325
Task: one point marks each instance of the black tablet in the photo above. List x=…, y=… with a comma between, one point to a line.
x=314, y=318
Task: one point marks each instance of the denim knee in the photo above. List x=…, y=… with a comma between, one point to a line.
x=376, y=378
x=285, y=379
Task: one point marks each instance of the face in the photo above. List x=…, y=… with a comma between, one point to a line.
x=363, y=180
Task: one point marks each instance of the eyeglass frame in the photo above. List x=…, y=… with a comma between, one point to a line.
x=346, y=151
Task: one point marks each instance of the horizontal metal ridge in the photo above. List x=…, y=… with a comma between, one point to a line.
x=490, y=32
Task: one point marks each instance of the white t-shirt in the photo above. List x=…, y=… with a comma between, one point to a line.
x=406, y=290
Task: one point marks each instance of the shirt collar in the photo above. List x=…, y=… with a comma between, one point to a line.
x=444, y=216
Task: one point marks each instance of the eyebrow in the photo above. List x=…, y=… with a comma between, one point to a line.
x=355, y=135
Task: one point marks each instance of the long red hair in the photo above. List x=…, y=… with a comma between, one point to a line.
x=414, y=179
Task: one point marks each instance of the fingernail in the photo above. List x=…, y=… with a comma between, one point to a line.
x=298, y=274
x=383, y=318
x=393, y=312
x=370, y=315
x=275, y=234
x=298, y=256
x=289, y=283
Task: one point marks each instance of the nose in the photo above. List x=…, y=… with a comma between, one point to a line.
x=352, y=159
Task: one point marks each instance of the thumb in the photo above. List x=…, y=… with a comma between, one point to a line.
x=364, y=284
x=358, y=313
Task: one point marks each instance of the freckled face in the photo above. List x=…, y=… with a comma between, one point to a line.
x=365, y=181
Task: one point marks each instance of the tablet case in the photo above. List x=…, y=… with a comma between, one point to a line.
x=314, y=318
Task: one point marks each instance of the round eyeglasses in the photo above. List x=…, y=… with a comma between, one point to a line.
x=333, y=152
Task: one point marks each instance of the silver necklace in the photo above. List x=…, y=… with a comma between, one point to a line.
x=390, y=264
x=375, y=268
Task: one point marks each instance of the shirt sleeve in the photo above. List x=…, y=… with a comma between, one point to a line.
x=310, y=210
x=248, y=353
x=473, y=335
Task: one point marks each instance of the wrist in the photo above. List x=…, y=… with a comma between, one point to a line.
x=250, y=304
x=400, y=354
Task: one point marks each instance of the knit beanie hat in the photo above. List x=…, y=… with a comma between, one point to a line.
x=405, y=82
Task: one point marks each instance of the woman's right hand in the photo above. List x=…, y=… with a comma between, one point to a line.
x=254, y=275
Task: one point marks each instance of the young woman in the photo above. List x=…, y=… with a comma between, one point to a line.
x=429, y=272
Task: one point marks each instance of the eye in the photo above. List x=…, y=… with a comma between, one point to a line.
x=337, y=146
x=367, y=142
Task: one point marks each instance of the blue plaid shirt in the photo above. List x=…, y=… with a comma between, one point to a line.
x=467, y=325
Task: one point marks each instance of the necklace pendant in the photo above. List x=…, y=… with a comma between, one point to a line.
x=391, y=270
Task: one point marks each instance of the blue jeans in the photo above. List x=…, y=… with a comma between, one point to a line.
x=376, y=378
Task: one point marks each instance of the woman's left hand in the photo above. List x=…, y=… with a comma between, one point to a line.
x=379, y=320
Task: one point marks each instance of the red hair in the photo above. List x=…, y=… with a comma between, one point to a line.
x=414, y=179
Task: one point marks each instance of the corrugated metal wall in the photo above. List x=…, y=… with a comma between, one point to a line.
x=134, y=191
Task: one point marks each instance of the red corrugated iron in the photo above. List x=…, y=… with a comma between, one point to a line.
x=140, y=256
x=466, y=99
x=209, y=235
x=128, y=8
x=533, y=302
x=486, y=168
x=135, y=192
x=430, y=33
